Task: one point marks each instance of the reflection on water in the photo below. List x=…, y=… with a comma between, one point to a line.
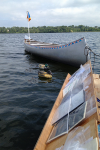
x=45, y=80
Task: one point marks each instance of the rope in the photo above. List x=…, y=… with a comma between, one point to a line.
x=90, y=51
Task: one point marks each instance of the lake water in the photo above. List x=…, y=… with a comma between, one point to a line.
x=26, y=100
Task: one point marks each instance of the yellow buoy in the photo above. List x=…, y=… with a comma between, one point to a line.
x=43, y=74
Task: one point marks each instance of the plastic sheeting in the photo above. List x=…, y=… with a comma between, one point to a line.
x=91, y=107
x=78, y=77
x=74, y=97
x=75, y=105
x=67, y=106
x=77, y=138
x=67, y=123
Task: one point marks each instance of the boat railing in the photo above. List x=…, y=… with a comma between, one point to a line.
x=88, y=52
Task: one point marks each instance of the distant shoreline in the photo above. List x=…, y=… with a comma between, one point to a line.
x=50, y=29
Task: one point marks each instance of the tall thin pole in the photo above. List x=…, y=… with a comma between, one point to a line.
x=28, y=30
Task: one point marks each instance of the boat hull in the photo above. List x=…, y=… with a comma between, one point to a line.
x=72, y=53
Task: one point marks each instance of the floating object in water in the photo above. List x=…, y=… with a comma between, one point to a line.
x=43, y=74
x=46, y=73
x=42, y=66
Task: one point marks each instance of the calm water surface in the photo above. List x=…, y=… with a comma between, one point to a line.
x=26, y=100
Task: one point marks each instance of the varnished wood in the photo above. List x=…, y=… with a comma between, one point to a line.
x=94, y=89
x=97, y=92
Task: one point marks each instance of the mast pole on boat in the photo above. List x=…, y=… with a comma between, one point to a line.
x=28, y=30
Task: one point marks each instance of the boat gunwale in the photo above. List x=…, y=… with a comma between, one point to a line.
x=51, y=45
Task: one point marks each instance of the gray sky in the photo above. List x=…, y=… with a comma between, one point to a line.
x=49, y=12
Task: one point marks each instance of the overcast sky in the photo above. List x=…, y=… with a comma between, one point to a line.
x=49, y=12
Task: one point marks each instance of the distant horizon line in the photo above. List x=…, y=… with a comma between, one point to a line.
x=51, y=26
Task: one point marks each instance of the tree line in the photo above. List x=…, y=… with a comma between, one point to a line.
x=50, y=29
